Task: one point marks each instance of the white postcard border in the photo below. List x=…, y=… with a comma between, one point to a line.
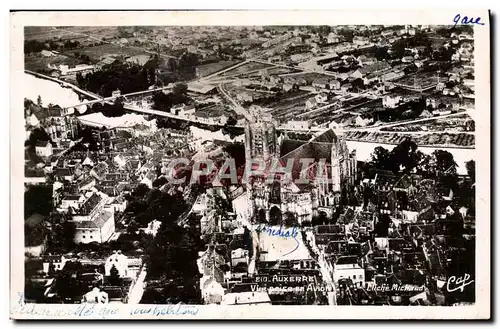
x=480, y=310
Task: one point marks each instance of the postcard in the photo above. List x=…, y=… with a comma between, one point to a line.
x=240, y=164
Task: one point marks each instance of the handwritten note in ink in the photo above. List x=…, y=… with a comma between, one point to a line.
x=467, y=20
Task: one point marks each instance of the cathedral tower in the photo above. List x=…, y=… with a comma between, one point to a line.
x=261, y=146
x=260, y=136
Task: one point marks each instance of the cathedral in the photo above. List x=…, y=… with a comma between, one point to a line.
x=291, y=202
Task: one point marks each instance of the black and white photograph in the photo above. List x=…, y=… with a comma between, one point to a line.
x=166, y=168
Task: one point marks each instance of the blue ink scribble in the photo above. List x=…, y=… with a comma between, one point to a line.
x=161, y=310
x=467, y=20
x=296, y=246
x=282, y=233
x=21, y=299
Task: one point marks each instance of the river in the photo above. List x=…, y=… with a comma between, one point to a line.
x=50, y=92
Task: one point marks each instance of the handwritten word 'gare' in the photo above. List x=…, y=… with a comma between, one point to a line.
x=467, y=20
x=458, y=283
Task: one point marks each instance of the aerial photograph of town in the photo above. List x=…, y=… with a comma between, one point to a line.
x=248, y=165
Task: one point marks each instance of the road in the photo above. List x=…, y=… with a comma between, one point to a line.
x=136, y=292
x=327, y=278
x=237, y=107
x=208, y=77
x=295, y=68
x=327, y=106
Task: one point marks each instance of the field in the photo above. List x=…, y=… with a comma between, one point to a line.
x=208, y=69
x=281, y=70
x=37, y=62
x=43, y=33
x=420, y=80
x=235, y=91
x=289, y=105
x=451, y=124
x=96, y=53
x=431, y=139
x=308, y=76
x=213, y=111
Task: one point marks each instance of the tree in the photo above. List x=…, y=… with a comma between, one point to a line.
x=159, y=182
x=231, y=121
x=381, y=53
x=398, y=49
x=141, y=191
x=115, y=110
x=62, y=235
x=380, y=157
x=114, y=276
x=404, y=155
x=38, y=134
x=188, y=61
x=424, y=160
x=443, y=162
x=132, y=227
x=347, y=34
x=39, y=100
x=180, y=88
x=38, y=199
x=358, y=85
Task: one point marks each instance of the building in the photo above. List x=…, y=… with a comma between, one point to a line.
x=116, y=93
x=93, y=222
x=375, y=69
x=43, y=148
x=80, y=68
x=247, y=298
x=347, y=267
x=300, y=57
x=153, y=227
x=56, y=262
x=391, y=101
x=95, y=296
x=99, y=170
x=210, y=265
x=332, y=168
x=201, y=88
x=393, y=75
x=364, y=60
x=333, y=38
x=47, y=53
x=118, y=261
x=260, y=136
x=99, y=229
x=296, y=125
x=360, y=41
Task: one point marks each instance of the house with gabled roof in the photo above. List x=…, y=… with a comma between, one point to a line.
x=43, y=148
x=100, y=170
